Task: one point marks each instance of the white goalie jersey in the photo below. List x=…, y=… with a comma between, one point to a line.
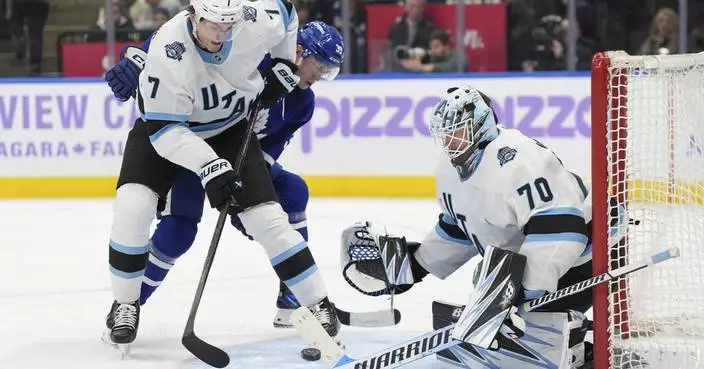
x=204, y=93
x=520, y=198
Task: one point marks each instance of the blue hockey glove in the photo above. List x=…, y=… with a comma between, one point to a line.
x=123, y=77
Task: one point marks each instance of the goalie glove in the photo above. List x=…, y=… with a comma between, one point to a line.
x=376, y=264
x=123, y=77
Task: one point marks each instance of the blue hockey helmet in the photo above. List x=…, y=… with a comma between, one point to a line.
x=324, y=43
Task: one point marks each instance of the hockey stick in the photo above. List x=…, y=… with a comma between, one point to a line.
x=204, y=351
x=440, y=339
x=370, y=319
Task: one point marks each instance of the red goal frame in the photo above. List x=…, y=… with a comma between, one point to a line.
x=608, y=97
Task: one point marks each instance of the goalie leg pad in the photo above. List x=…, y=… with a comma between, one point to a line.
x=490, y=303
x=546, y=342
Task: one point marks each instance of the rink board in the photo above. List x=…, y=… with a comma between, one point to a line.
x=323, y=186
x=368, y=136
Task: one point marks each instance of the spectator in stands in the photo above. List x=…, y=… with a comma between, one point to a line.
x=535, y=45
x=412, y=29
x=549, y=43
x=697, y=34
x=29, y=15
x=142, y=12
x=123, y=25
x=586, y=48
x=330, y=12
x=519, y=23
x=160, y=16
x=663, y=36
x=303, y=12
x=441, y=56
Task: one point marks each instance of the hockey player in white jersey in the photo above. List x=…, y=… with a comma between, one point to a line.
x=199, y=84
x=508, y=198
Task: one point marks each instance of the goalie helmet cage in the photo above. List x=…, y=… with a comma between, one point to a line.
x=648, y=166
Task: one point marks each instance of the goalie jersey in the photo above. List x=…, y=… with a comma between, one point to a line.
x=521, y=198
x=204, y=93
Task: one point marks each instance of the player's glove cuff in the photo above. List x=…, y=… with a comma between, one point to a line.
x=279, y=80
x=220, y=182
x=134, y=54
x=123, y=77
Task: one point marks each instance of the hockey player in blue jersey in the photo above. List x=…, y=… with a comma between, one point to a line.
x=320, y=53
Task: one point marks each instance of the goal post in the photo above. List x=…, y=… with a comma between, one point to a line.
x=648, y=165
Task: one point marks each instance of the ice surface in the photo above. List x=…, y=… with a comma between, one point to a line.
x=55, y=289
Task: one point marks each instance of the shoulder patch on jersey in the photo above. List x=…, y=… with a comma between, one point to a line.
x=175, y=50
x=505, y=155
x=250, y=13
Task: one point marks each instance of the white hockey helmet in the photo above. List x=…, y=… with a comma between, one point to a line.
x=462, y=120
x=218, y=11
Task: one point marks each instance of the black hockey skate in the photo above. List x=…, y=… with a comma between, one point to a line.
x=122, y=322
x=286, y=303
x=325, y=313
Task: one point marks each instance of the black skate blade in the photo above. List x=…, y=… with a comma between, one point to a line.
x=204, y=351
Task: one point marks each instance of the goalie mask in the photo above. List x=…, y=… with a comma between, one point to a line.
x=463, y=123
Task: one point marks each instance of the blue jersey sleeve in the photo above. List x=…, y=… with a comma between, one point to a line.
x=146, y=44
x=265, y=64
x=296, y=109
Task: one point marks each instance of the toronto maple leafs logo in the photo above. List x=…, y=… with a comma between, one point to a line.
x=260, y=123
x=175, y=50
x=505, y=155
x=250, y=14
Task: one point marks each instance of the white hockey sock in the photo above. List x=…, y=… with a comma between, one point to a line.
x=134, y=210
x=289, y=253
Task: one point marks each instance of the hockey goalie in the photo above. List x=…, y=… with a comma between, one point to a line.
x=510, y=200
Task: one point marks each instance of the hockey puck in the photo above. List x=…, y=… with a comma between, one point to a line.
x=310, y=354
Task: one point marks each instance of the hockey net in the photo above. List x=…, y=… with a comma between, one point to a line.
x=648, y=174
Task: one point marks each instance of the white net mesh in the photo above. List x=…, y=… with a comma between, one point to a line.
x=655, y=160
